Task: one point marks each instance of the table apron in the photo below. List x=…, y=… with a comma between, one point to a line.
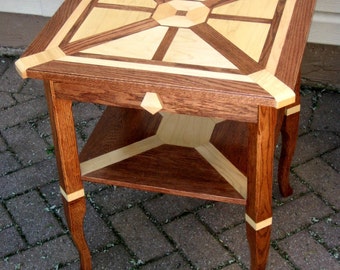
x=213, y=104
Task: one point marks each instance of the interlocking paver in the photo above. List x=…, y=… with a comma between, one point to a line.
x=323, y=179
x=28, y=146
x=45, y=256
x=333, y=158
x=173, y=261
x=10, y=80
x=328, y=231
x=8, y=163
x=140, y=234
x=3, y=146
x=97, y=233
x=307, y=253
x=167, y=207
x=202, y=249
x=327, y=113
x=4, y=63
x=298, y=214
x=23, y=112
x=6, y=100
x=221, y=215
x=28, y=178
x=27, y=210
x=5, y=220
x=114, y=199
x=13, y=241
x=314, y=144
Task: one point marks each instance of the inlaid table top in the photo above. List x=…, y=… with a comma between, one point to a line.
x=233, y=49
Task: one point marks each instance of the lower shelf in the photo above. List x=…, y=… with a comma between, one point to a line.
x=158, y=167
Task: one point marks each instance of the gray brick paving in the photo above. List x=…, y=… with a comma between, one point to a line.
x=129, y=229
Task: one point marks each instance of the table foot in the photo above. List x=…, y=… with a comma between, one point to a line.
x=75, y=213
x=259, y=243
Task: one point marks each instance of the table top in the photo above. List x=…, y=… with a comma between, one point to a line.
x=250, y=50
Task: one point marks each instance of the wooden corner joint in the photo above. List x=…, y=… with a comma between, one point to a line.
x=260, y=225
x=72, y=196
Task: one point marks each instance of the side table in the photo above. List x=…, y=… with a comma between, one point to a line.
x=196, y=94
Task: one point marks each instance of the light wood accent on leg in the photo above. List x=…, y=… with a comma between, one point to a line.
x=259, y=225
x=292, y=110
x=73, y=196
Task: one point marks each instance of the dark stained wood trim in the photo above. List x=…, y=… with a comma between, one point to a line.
x=88, y=42
x=216, y=3
x=158, y=63
x=78, y=23
x=295, y=43
x=271, y=34
x=127, y=7
x=166, y=42
x=240, y=59
x=240, y=18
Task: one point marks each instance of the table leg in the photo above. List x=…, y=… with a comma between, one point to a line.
x=289, y=134
x=259, y=189
x=71, y=185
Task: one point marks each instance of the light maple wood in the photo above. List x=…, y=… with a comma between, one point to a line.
x=260, y=225
x=249, y=8
x=100, y=20
x=280, y=91
x=250, y=37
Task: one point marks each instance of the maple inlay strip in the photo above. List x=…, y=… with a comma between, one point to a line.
x=282, y=94
x=260, y=225
x=72, y=196
x=280, y=36
x=158, y=68
x=141, y=45
x=102, y=19
x=119, y=154
x=224, y=167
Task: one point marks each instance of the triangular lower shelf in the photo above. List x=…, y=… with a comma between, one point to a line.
x=163, y=168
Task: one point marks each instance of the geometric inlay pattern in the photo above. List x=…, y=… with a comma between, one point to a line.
x=227, y=39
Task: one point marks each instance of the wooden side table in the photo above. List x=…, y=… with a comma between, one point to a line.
x=196, y=94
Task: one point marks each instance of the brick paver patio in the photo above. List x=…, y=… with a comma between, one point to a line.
x=128, y=229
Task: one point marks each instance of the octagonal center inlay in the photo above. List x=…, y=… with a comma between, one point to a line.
x=179, y=13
